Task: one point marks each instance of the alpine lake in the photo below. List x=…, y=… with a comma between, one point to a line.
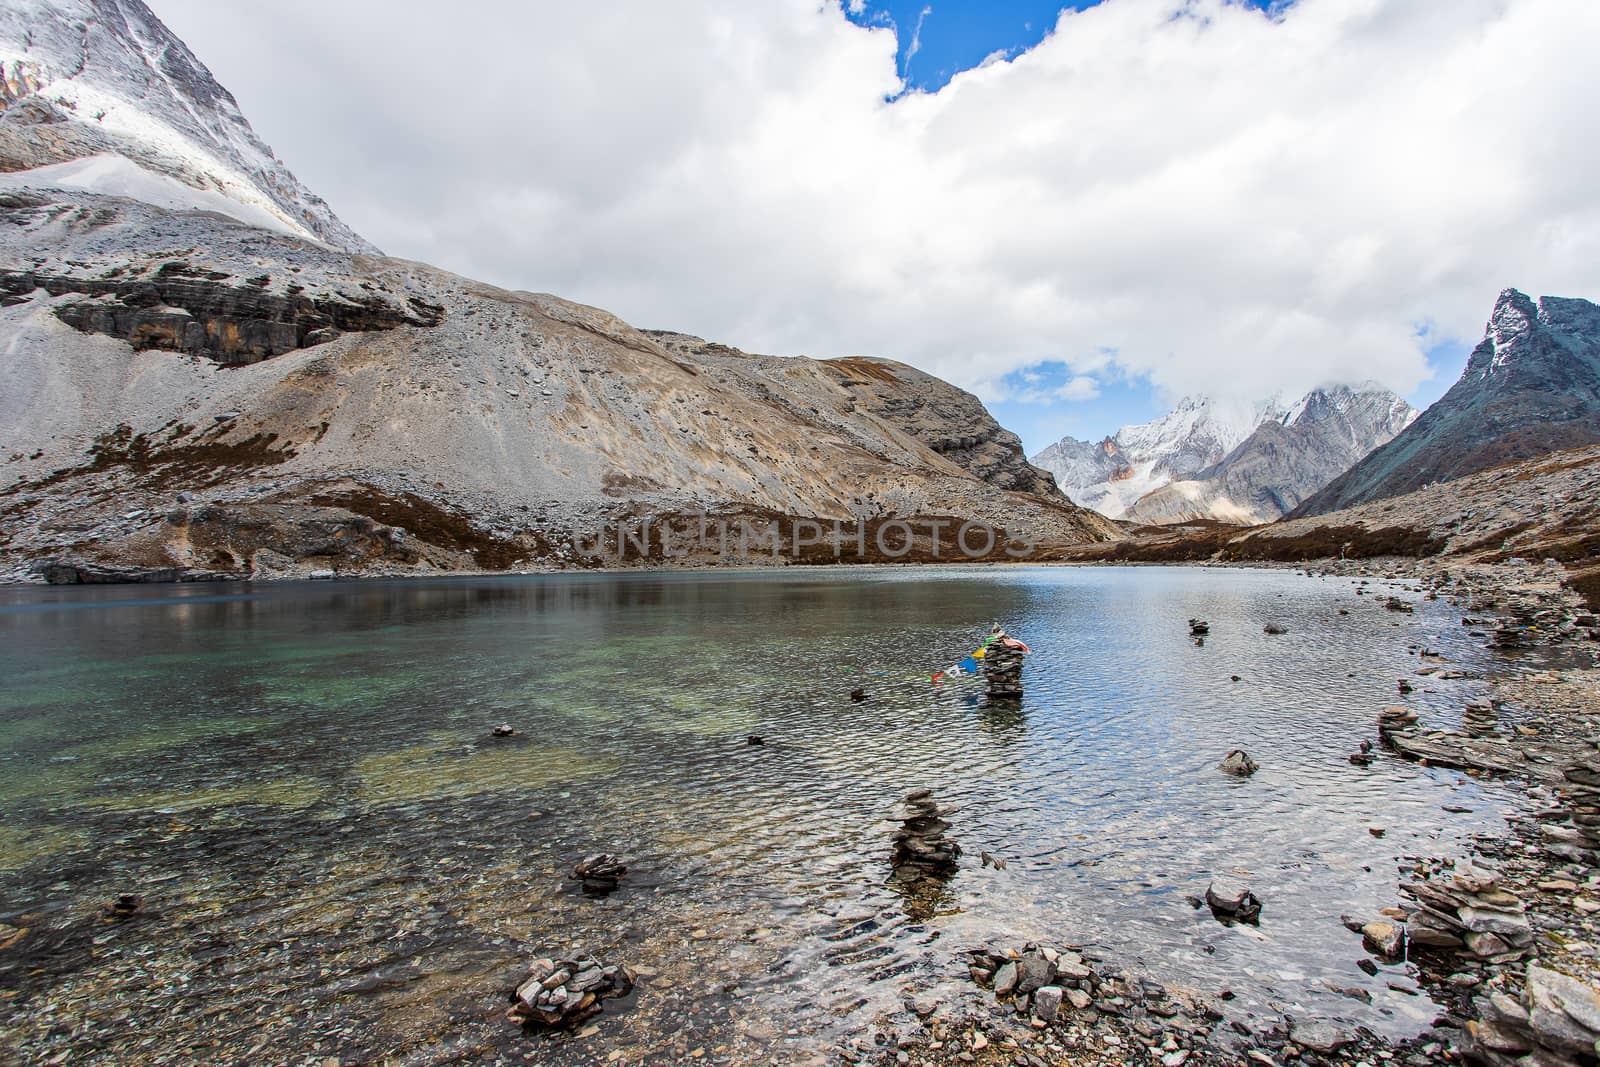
x=337, y=861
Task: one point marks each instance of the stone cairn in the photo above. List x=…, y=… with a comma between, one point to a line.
x=1556, y=1021
x=1461, y=908
x=600, y=873
x=922, y=853
x=1395, y=719
x=1002, y=666
x=1036, y=980
x=1479, y=719
x=1578, y=837
x=563, y=993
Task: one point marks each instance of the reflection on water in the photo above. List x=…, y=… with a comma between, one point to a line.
x=338, y=859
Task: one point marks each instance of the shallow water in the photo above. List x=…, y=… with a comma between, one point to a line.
x=338, y=860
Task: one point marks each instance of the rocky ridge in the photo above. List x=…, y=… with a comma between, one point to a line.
x=1284, y=460
x=81, y=79
x=1519, y=514
x=1531, y=387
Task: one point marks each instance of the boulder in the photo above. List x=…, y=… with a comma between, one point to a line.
x=1036, y=973
x=1386, y=939
x=1319, y=1036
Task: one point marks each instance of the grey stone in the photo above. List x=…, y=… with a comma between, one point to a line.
x=1319, y=1036
x=1047, y=1002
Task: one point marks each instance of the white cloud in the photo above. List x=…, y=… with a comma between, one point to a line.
x=1078, y=389
x=1226, y=201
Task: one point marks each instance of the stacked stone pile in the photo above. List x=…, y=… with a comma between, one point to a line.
x=1555, y=1023
x=1396, y=718
x=600, y=873
x=1002, y=667
x=1578, y=838
x=922, y=852
x=562, y=993
x=1463, y=909
x=1479, y=719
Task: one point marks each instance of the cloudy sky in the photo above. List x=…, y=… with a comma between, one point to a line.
x=1078, y=214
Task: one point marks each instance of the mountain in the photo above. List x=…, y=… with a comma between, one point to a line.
x=204, y=374
x=1115, y=473
x=1532, y=386
x=1228, y=461
x=104, y=97
x=1284, y=461
x=260, y=405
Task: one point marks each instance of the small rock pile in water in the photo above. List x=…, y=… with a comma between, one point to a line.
x=600, y=873
x=1002, y=667
x=562, y=993
x=1395, y=719
x=921, y=851
x=1479, y=719
x=1556, y=1023
x=1039, y=979
x=1461, y=908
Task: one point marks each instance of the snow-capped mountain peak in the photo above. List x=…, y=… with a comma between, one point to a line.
x=81, y=79
x=1190, y=444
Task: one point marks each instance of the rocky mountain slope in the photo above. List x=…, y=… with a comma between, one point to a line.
x=1544, y=510
x=1532, y=386
x=1225, y=460
x=258, y=404
x=103, y=94
x=1284, y=460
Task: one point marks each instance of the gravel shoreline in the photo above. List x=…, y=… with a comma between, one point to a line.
x=1535, y=1005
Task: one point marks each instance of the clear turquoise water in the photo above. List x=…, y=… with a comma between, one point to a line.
x=337, y=858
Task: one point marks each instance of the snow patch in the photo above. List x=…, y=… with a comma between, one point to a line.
x=113, y=175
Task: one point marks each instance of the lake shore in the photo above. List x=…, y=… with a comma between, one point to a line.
x=1543, y=868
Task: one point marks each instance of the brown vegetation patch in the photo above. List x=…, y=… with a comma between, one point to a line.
x=855, y=366
x=163, y=463
x=1497, y=540
x=431, y=523
x=1163, y=544
x=1346, y=542
x=620, y=484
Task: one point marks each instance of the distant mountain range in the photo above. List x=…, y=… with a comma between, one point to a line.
x=1234, y=462
x=1532, y=386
